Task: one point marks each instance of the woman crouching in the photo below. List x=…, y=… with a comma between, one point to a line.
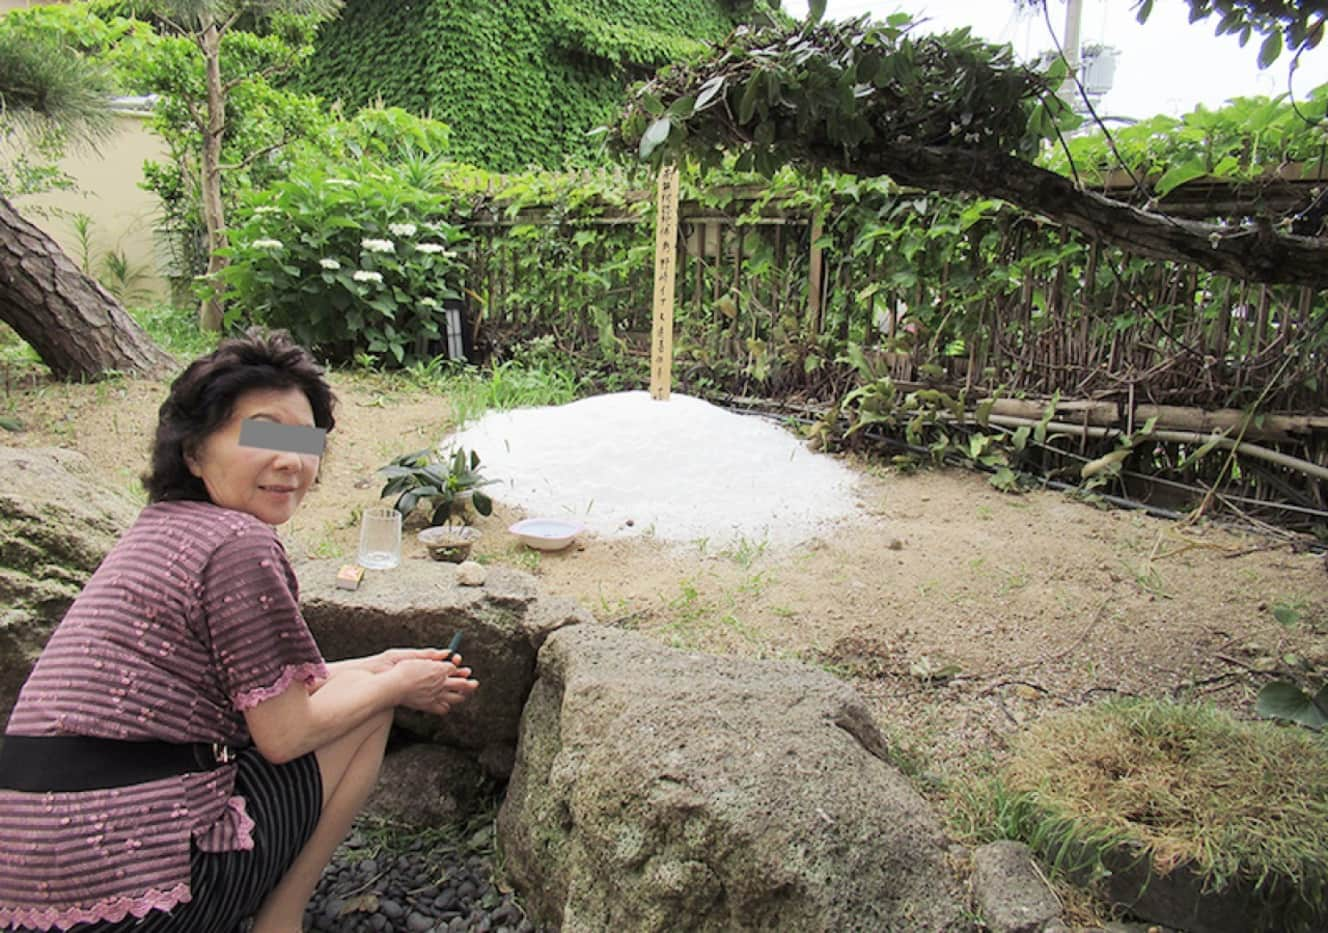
x=181, y=757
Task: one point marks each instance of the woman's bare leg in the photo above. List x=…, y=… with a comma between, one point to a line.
x=350, y=769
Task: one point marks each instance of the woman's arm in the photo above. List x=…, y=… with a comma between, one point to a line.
x=296, y=721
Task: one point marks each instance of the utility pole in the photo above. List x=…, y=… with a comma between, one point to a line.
x=1074, y=12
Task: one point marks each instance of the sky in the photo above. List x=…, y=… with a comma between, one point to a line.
x=1165, y=66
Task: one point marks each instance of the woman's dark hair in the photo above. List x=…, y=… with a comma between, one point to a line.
x=203, y=397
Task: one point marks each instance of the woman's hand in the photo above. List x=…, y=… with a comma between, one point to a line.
x=384, y=661
x=430, y=685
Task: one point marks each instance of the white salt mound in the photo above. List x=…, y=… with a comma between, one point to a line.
x=683, y=469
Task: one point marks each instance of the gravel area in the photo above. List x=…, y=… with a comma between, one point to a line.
x=422, y=883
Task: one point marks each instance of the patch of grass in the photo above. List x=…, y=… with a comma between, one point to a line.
x=687, y=604
x=132, y=485
x=533, y=378
x=908, y=753
x=618, y=608
x=326, y=547
x=755, y=584
x=703, y=617
x=744, y=551
x=1182, y=785
x=15, y=351
x=175, y=330
x=518, y=383
x=528, y=559
x=1147, y=578
x=377, y=838
x=1013, y=580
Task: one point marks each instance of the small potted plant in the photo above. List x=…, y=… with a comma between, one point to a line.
x=451, y=543
x=442, y=485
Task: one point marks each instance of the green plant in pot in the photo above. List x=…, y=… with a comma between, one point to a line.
x=441, y=484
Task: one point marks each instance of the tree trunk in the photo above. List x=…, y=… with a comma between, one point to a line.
x=77, y=328
x=214, y=216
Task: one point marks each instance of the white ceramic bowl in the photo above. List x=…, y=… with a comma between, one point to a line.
x=546, y=534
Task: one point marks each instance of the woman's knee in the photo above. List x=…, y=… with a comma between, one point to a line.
x=360, y=750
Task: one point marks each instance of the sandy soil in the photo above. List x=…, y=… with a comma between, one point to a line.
x=961, y=613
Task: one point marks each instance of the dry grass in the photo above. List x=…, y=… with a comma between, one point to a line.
x=1182, y=784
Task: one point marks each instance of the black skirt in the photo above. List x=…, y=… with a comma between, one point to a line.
x=285, y=803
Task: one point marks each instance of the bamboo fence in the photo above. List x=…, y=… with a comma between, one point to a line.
x=1114, y=341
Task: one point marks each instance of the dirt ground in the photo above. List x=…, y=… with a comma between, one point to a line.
x=959, y=612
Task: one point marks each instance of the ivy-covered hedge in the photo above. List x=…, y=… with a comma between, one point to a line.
x=520, y=82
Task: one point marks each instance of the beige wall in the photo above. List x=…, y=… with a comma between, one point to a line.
x=123, y=214
x=20, y=4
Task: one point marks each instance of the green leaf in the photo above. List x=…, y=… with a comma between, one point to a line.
x=984, y=411
x=682, y=108
x=709, y=92
x=1004, y=479
x=654, y=136
x=1205, y=449
x=1285, y=615
x=1178, y=175
x=1271, y=48
x=1282, y=700
x=815, y=12
x=1020, y=439
x=483, y=504
x=750, y=93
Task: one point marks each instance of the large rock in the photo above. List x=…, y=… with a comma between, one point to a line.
x=659, y=790
x=1183, y=899
x=421, y=604
x=428, y=786
x=57, y=522
x=1009, y=891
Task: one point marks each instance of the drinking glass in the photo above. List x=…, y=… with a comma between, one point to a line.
x=380, y=539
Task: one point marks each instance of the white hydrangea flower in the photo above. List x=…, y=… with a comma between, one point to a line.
x=377, y=246
x=429, y=303
x=267, y=209
x=267, y=244
x=402, y=229
x=437, y=249
x=330, y=264
x=363, y=275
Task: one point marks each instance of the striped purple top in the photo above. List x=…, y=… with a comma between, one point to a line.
x=192, y=618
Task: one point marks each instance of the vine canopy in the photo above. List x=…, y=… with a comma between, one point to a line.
x=774, y=93
x=947, y=113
